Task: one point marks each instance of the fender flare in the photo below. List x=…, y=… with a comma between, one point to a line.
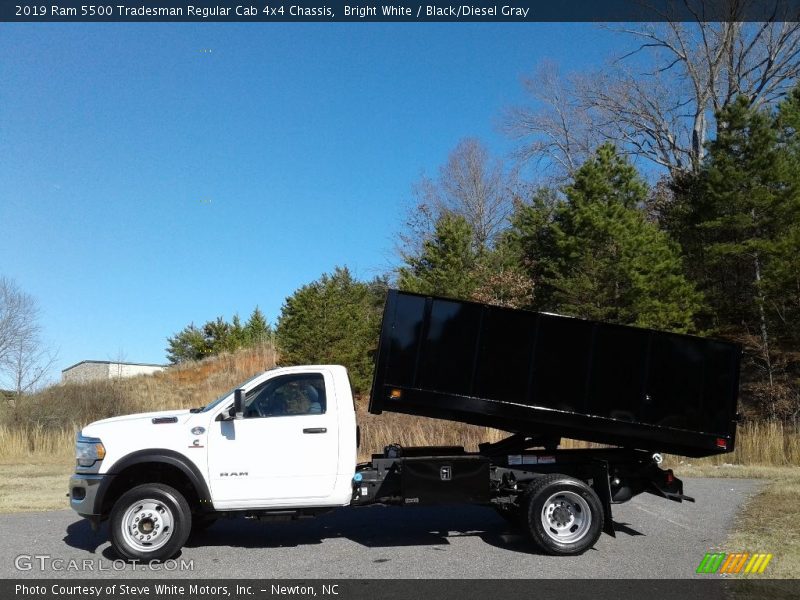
x=156, y=455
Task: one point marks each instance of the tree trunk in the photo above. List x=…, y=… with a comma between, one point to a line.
x=763, y=327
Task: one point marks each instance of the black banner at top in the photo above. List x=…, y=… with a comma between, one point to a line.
x=266, y=11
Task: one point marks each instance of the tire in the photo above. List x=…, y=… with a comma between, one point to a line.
x=563, y=515
x=150, y=522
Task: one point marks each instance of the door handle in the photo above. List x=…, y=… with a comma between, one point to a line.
x=315, y=430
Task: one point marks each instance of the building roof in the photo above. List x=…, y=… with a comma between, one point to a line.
x=112, y=362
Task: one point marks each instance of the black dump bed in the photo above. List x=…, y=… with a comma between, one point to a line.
x=543, y=374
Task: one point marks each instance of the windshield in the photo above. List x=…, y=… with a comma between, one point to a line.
x=211, y=405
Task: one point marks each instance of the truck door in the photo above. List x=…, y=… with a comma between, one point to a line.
x=284, y=450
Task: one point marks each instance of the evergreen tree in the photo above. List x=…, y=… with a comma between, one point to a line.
x=218, y=336
x=606, y=261
x=333, y=320
x=747, y=203
x=237, y=334
x=193, y=343
x=445, y=263
x=187, y=344
x=782, y=276
x=257, y=329
x=740, y=221
x=528, y=246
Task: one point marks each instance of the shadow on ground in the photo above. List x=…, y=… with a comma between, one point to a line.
x=373, y=527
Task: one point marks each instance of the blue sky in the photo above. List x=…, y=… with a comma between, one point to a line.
x=154, y=175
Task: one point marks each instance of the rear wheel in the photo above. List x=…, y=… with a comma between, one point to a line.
x=563, y=515
x=150, y=522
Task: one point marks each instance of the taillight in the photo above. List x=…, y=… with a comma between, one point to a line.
x=722, y=443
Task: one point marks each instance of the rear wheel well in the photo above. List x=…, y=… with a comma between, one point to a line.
x=153, y=472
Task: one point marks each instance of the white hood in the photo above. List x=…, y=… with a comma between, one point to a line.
x=181, y=415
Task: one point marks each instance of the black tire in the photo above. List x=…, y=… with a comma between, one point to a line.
x=570, y=508
x=150, y=522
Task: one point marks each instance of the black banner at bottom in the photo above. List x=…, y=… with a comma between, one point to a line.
x=400, y=589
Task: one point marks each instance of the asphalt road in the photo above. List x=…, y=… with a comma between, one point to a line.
x=655, y=538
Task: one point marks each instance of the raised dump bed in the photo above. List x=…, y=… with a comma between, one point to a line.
x=553, y=376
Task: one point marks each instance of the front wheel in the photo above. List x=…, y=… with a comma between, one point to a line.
x=563, y=515
x=150, y=522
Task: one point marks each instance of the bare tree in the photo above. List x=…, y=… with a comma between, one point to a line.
x=558, y=131
x=28, y=366
x=118, y=360
x=24, y=362
x=659, y=100
x=470, y=184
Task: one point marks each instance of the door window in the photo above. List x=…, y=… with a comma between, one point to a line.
x=287, y=396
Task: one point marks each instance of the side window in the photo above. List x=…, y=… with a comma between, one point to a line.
x=286, y=396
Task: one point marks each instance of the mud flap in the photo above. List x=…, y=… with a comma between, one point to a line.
x=602, y=487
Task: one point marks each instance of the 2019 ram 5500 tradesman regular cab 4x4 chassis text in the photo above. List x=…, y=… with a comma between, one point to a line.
x=283, y=445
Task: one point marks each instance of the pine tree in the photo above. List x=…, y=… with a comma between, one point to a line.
x=237, y=334
x=193, y=343
x=445, y=263
x=257, y=328
x=782, y=276
x=187, y=344
x=528, y=246
x=333, y=320
x=607, y=261
x=218, y=336
x=748, y=215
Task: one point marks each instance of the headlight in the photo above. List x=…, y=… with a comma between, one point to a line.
x=88, y=451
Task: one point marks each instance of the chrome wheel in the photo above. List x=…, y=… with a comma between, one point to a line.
x=566, y=517
x=147, y=525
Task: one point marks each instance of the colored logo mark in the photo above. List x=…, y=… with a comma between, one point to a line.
x=742, y=562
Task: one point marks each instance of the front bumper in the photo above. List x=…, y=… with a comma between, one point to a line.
x=86, y=494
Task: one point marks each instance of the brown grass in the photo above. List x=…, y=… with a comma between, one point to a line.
x=770, y=523
x=757, y=444
x=72, y=405
x=45, y=484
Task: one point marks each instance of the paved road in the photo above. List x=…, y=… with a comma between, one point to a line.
x=655, y=538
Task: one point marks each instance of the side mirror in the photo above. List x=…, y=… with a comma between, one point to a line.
x=238, y=404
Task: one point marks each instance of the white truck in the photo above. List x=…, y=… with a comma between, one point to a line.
x=283, y=445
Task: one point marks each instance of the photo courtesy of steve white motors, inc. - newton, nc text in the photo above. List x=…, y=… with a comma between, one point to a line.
x=396, y=300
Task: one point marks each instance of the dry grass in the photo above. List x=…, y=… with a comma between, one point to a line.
x=70, y=406
x=40, y=443
x=45, y=485
x=764, y=443
x=770, y=523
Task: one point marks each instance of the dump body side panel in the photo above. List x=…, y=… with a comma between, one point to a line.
x=537, y=373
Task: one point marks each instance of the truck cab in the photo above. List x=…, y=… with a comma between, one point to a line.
x=282, y=441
